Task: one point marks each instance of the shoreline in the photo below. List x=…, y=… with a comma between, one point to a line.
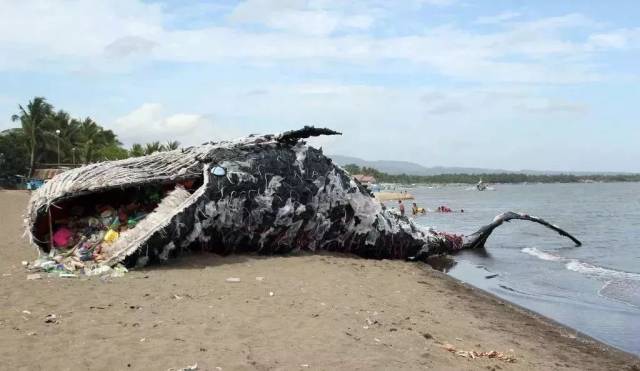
x=577, y=334
x=322, y=311
x=533, y=312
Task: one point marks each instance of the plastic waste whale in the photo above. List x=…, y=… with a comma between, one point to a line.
x=269, y=194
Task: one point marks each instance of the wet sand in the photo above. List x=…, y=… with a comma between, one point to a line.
x=297, y=312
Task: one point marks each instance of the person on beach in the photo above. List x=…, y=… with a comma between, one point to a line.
x=401, y=207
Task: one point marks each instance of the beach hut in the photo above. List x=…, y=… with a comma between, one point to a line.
x=365, y=179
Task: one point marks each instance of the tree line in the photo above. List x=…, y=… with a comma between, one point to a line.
x=46, y=136
x=487, y=178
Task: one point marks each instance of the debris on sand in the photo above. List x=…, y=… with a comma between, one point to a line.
x=119, y=271
x=492, y=354
x=193, y=367
x=233, y=279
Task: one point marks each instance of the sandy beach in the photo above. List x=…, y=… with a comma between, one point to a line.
x=389, y=196
x=287, y=313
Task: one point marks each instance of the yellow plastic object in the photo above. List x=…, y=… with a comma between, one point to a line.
x=111, y=236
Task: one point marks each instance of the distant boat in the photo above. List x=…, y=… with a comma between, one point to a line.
x=481, y=186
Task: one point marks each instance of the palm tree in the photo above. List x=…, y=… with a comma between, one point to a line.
x=136, y=150
x=69, y=135
x=93, y=138
x=33, y=120
x=171, y=145
x=152, y=147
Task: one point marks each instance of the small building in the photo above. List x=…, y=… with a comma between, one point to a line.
x=40, y=176
x=365, y=179
x=46, y=174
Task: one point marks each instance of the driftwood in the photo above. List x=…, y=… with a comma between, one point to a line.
x=267, y=194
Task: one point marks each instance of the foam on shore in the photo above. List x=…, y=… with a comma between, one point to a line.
x=582, y=267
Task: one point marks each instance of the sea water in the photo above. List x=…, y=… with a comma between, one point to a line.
x=594, y=288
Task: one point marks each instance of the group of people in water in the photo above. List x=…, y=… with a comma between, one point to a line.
x=415, y=210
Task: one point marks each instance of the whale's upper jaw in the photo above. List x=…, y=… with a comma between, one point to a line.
x=128, y=175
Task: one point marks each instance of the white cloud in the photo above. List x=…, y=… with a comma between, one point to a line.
x=618, y=39
x=551, y=106
x=107, y=36
x=150, y=122
x=437, y=2
x=498, y=103
x=498, y=18
x=313, y=18
x=129, y=45
x=43, y=31
x=551, y=24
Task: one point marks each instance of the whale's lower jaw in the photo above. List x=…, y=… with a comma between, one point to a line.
x=134, y=240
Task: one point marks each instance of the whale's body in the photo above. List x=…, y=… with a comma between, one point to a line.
x=268, y=194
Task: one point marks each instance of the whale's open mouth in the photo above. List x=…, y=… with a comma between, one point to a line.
x=106, y=226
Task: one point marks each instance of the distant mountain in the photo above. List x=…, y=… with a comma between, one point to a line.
x=411, y=168
x=406, y=167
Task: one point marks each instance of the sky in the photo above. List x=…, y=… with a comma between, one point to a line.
x=540, y=85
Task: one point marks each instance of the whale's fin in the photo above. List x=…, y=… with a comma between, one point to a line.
x=292, y=136
x=479, y=238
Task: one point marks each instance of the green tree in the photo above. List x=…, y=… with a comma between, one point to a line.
x=34, y=120
x=111, y=152
x=14, y=153
x=352, y=169
x=153, y=147
x=69, y=138
x=93, y=139
x=171, y=145
x=136, y=150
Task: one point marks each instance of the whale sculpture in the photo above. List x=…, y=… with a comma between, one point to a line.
x=269, y=194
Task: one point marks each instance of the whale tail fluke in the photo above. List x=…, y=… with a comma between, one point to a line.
x=479, y=238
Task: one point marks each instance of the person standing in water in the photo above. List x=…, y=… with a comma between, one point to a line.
x=401, y=207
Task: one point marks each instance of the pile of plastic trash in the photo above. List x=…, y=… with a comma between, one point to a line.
x=78, y=241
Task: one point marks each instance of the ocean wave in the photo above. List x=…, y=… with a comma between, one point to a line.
x=542, y=255
x=594, y=270
x=625, y=291
x=582, y=267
